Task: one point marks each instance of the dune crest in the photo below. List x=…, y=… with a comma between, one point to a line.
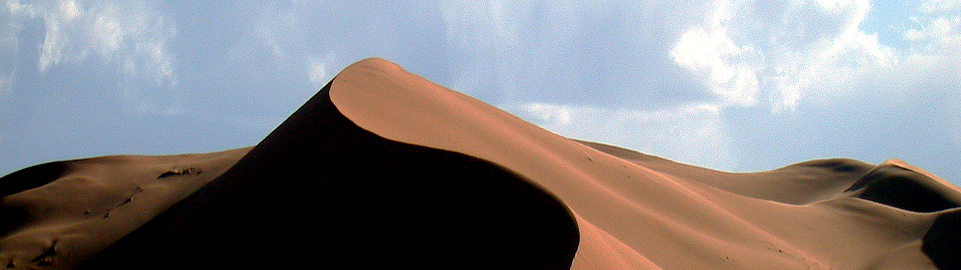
x=717, y=219
x=383, y=168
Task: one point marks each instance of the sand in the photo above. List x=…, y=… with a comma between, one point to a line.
x=56, y=215
x=384, y=169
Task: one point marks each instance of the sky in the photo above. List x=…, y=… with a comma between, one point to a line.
x=733, y=85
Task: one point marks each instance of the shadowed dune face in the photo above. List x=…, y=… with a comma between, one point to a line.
x=21, y=180
x=906, y=189
x=942, y=243
x=321, y=191
x=31, y=177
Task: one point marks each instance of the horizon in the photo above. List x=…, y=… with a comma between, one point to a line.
x=728, y=85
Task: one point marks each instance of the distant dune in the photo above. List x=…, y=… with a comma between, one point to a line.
x=384, y=169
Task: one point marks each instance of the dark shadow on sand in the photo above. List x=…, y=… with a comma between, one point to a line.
x=11, y=216
x=31, y=177
x=902, y=188
x=942, y=242
x=320, y=192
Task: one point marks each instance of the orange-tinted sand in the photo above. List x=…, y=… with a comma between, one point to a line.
x=385, y=169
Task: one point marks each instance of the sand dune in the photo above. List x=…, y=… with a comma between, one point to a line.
x=56, y=215
x=384, y=169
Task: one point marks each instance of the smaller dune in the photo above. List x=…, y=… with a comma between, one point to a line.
x=903, y=186
x=57, y=215
x=31, y=177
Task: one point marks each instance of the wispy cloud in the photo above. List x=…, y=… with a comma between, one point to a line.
x=11, y=22
x=935, y=6
x=129, y=33
x=318, y=69
x=939, y=32
x=131, y=36
x=539, y=52
x=6, y=84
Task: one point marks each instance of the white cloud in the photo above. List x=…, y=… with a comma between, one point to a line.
x=129, y=36
x=692, y=133
x=129, y=33
x=775, y=55
x=938, y=37
x=716, y=56
x=940, y=31
x=6, y=84
x=10, y=24
x=935, y=6
x=70, y=9
x=275, y=27
x=782, y=48
x=318, y=69
x=927, y=64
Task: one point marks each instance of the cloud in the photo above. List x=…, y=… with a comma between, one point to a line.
x=6, y=84
x=778, y=60
x=934, y=55
x=938, y=37
x=726, y=65
x=932, y=64
x=936, y=6
x=10, y=22
x=602, y=53
x=599, y=71
x=129, y=33
x=942, y=31
x=131, y=37
x=277, y=28
x=781, y=48
x=602, y=72
x=318, y=70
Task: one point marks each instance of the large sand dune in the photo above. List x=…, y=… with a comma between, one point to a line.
x=384, y=169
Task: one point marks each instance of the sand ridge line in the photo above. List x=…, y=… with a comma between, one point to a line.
x=663, y=196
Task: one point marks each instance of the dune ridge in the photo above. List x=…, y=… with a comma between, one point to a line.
x=732, y=226
x=383, y=168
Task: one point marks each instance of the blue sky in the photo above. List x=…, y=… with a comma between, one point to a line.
x=731, y=85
